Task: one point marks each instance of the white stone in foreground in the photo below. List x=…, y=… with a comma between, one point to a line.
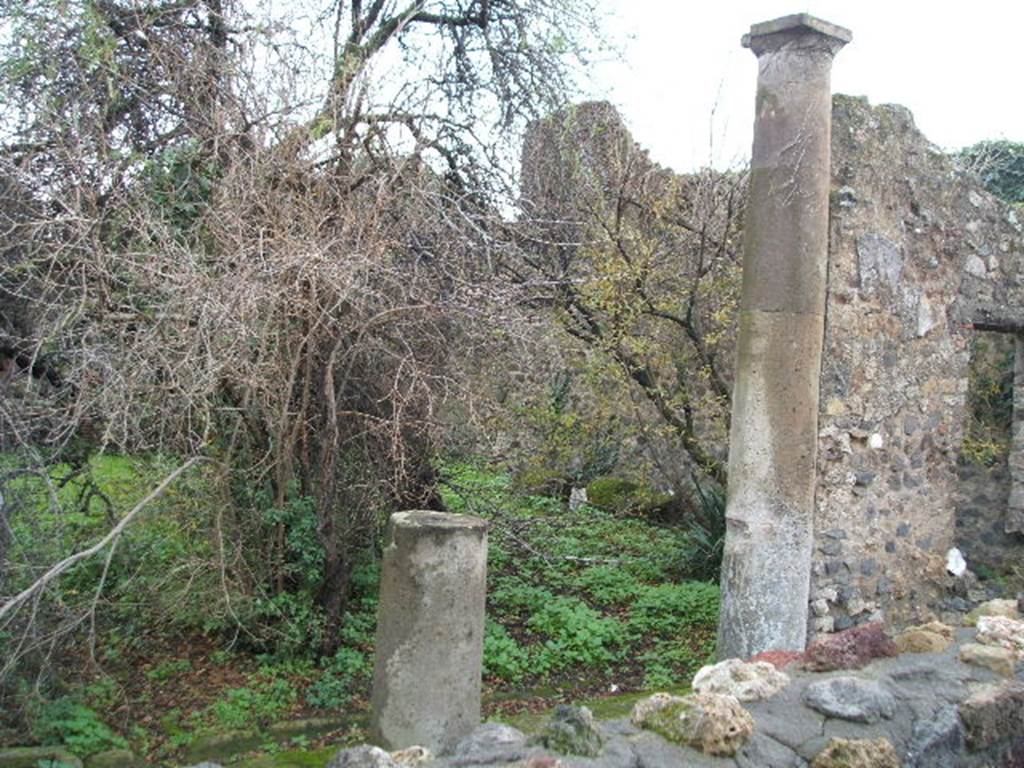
x=747, y=681
x=1002, y=632
x=955, y=562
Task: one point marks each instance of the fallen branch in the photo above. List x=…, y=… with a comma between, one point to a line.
x=112, y=535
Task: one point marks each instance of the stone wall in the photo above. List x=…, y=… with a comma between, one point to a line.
x=914, y=245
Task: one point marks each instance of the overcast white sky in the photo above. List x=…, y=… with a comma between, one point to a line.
x=959, y=67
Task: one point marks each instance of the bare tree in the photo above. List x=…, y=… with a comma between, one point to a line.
x=252, y=237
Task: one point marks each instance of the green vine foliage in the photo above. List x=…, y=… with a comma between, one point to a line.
x=989, y=400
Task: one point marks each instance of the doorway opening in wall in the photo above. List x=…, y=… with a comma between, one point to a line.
x=989, y=468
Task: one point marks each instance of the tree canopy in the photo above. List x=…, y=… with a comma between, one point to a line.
x=999, y=165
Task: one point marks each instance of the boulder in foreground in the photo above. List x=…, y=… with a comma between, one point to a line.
x=850, y=649
x=708, y=722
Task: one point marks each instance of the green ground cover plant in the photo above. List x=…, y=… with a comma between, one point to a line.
x=585, y=593
x=76, y=726
x=578, y=600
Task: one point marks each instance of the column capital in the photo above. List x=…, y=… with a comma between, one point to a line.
x=799, y=30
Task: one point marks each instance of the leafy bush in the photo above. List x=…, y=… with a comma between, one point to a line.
x=667, y=609
x=504, y=658
x=516, y=598
x=69, y=506
x=347, y=670
x=673, y=663
x=281, y=626
x=1000, y=167
x=251, y=706
x=571, y=445
x=575, y=635
x=359, y=626
x=571, y=594
x=609, y=585
x=621, y=496
x=989, y=399
x=76, y=726
x=706, y=544
x=613, y=494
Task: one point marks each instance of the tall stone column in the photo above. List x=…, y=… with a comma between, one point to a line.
x=773, y=437
x=430, y=631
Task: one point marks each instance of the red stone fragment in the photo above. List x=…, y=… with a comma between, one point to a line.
x=849, y=649
x=544, y=761
x=780, y=659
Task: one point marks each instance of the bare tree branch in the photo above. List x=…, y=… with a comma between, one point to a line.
x=69, y=562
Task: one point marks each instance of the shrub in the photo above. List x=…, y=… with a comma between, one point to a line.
x=609, y=585
x=706, y=543
x=621, y=496
x=999, y=166
x=347, y=671
x=76, y=726
x=575, y=635
x=989, y=400
x=666, y=609
x=613, y=494
x=257, y=705
x=504, y=658
x=673, y=663
x=570, y=444
x=518, y=598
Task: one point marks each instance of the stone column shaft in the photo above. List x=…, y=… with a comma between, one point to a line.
x=774, y=429
x=430, y=631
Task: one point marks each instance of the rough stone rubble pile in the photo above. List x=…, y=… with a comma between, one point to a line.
x=931, y=696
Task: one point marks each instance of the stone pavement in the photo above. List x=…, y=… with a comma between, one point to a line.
x=918, y=710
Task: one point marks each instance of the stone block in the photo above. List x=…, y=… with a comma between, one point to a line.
x=363, y=756
x=1002, y=661
x=1002, y=632
x=747, y=681
x=999, y=607
x=223, y=745
x=857, y=753
x=489, y=744
x=936, y=742
x=993, y=713
x=778, y=659
x=850, y=698
x=849, y=649
x=764, y=752
x=572, y=731
x=31, y=757
x=113, y=758
x=932, y=637
x=710, y=723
